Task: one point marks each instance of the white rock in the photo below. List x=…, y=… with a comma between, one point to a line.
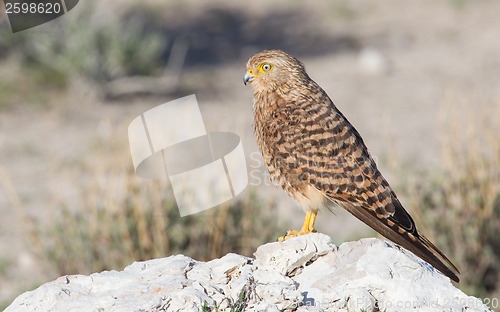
x=291, y=255
x=307, y=273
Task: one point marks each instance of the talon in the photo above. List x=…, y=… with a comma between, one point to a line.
x=307, y=228
x=289, y=234
x=284, y=237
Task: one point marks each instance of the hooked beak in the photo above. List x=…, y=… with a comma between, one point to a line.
x=248, y=77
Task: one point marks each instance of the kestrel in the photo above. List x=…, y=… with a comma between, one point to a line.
x=313, y=152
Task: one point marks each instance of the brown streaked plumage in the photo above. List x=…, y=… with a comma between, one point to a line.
x=314, y=153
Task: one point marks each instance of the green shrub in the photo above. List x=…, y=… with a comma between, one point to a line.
x=88, y=42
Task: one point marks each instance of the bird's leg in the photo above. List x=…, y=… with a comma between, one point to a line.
x=307, y=227
x=310, y=228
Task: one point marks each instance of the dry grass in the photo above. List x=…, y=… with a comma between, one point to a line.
x=113, y=218
x=458, y=204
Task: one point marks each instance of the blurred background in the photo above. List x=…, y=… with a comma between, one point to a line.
x=419, y=80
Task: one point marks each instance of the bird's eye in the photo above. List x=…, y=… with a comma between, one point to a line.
x=265, y=67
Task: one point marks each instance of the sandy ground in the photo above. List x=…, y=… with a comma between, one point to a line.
x=408, y=57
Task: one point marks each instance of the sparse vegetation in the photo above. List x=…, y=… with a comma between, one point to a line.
x=89, y=45
x=233, y=305
x=4, y=264
x=105, y=217
x=458, y=205
x=115, y=218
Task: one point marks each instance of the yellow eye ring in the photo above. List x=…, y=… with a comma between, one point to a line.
x=265, y=67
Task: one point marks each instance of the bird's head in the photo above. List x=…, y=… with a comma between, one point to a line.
x=272, y=69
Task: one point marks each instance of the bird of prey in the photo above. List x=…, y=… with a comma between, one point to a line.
x=312, y=151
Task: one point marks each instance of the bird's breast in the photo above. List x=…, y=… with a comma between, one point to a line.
x=277, y=130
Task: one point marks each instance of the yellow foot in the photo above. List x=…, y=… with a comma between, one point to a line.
x=294, y=233
x=307, y=228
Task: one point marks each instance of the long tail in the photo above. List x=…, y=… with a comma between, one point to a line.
x=411, y=240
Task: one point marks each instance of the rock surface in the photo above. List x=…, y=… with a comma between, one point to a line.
x=307, y=273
